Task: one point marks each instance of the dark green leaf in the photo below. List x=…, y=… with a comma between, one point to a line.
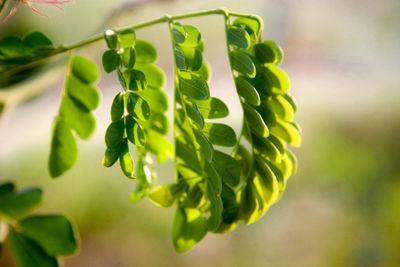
x=27, y=253
x=63, y=151
x=230, y=205
x=266, y=148
x=111, y=38
x=145, y=52
x=193, y=58
x=110, y=60
x=248, y=204
x=84, y=69
x=138, y=107
x=243, y=63
x=125, y=160
x=194, y=196
x=213, y=178
x=37, y=39
x=13, y=47
x=268, y=52
x=21, y=202
x=54, y=233
x=128, y=57
x=126, y=38
x=214, y=215
x=247, y=91
x=194, y=114
x=6, y=189
x=85, y=94
x=117, y=107
x=135, y=132
x=238, y=38
x=115, y=134
x=178, y=33
x=121, y=79
x=189, y=228
x=220, y=134
x=180, y=58
x=186, y=153
x=135, y=80
x=193, y=85
x=227, y=167
x=110, y=157
x=203, y=144
x=213, y=108
x=267, y=180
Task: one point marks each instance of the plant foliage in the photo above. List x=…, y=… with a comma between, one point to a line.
x=220, y=178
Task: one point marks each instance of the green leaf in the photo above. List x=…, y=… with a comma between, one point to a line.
x=166, y=195
x=154, y=75
x=214, y=215
x=251, y=25
x=159, y=145
x=138, y=107
x=277, y=79
x=110, y=157
x=21, y=202
x=268, y=52
x=6, y=189
x=281, y=107
x=247, y=91
x=110, y=60
x=266, y=148
x=125, y=160
x=37, y=39
x=115, y=134
x=126, y=38
x=293, y=159
x=193, y=58
x=63, y=150
x=111, y=38
x=255, y=121
x=85, y=94
x=248, y=204
x=238, y=38
x=180, y=58
x=128, y=57
x=213, y=177
x=230, y=205
x=243, y=63
x=194, y=114
x=193, y=86
x=27, y=253
x=117, y=107
x=212, y=108
x=287, y=131
x=193, y=37
x=220, y=134
x=12, y=46
x=159, y=122
x=203, y=144
x=84, y=69
x=156, y=99
x=266, y=180
x=194, y=196
x=121, y=79
x=189, y=228
x=186, y=153
x=135, y=132
x=54, y=233
x=145, y=52
x=227, y=167
x=204, y=71
x=178, y=33
x=135, y=80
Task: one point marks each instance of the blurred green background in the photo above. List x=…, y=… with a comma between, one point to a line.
x=341, y=209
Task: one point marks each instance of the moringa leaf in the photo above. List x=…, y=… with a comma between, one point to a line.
x=111, y=38
x=212, y=108
x=227, y=167
x=193, y=37
x=84, y=69
x=247, y=91
x=178, y=33
x=145, y=52
x=220, y=134
x=53, y=233
x=64, y=151
x=126, y=38
x=110, y=60
x=238, y=38
x=193, y=86
x=117, y=107
x=128, y=57
x=115, y=134
x=21, y=202
x=125, y=160
x=242, y=63
x=85, y=94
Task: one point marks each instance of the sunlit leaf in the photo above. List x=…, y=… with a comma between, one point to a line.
x=21, y=202
x=145, y=52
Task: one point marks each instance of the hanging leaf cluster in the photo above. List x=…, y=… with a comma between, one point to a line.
x=34, y=240
x=137, y=112
x=80, y=97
